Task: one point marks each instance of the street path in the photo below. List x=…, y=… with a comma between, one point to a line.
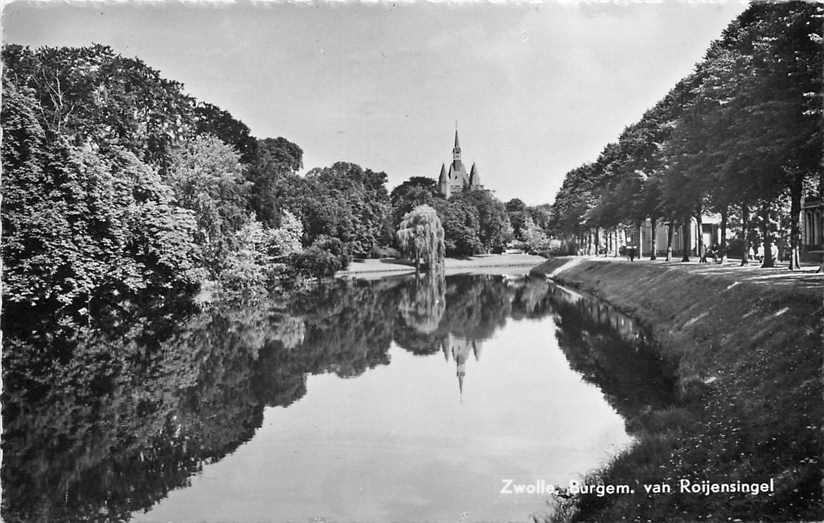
x=803, y=279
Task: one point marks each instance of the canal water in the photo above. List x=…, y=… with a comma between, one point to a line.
x=395, y=400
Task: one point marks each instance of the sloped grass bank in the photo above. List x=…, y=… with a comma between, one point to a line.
x=748, y=355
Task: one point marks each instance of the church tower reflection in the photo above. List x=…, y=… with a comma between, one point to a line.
x=458, y=350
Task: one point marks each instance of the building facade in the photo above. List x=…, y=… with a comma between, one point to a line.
x=455, y=179
x=812, y=228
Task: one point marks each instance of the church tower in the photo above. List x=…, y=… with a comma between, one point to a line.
x=455, y=179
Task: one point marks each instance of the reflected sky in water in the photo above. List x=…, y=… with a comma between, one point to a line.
x=401, y=442
x=399, y=399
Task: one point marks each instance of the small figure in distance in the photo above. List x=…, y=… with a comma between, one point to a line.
x=704, y=254
x=714, y=253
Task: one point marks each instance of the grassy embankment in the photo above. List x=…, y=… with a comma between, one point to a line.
x=747, y=346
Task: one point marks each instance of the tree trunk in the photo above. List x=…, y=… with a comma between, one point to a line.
x=723, y=243
x=609, y=242
x=669, y=241
x=654, y=224
x=745, y=224
x=589, y=241
x=795, y=218
x=685, y=241
x=765, y=231
x=597, y=241
x=701, y=251
x=640, y=239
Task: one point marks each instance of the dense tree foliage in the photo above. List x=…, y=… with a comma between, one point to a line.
x=116, y=182
x=461, y=225
x=741, y=136
x=349, y=203
x=77, y=222
x=274, y=178
x=207, y=178
x=494, y=229
x=92, y=95
x=415, y=191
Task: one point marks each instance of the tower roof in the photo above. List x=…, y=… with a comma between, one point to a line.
x=457, y=143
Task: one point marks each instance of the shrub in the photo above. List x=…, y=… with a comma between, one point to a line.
x=384, y=252
x=244, y=269
x=316, y=262
x=334, y=246
x=285, y=240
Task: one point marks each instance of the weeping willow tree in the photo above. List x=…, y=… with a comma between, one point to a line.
x=421, y=238
x=422, y=307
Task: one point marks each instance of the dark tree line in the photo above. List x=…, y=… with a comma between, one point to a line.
x=475, y=221
x=118, y=184
x=741, y=136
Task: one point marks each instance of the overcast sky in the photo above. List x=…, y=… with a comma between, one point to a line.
x=536, y=90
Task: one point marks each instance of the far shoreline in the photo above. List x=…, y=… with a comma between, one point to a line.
x=371, y=269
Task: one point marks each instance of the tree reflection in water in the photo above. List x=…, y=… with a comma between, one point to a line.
x=104, y=420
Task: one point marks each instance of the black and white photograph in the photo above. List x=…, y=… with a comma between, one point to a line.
x=412, y=261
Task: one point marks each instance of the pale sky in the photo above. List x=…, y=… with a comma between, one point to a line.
x=536, y=89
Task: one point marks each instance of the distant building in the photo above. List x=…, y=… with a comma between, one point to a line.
x=456, y=179
x=812, y=228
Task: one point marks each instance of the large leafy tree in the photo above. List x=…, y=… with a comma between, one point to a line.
x=493, y=221
x=743, y=131
x=210, y=119
x=346, y=202
x=461, y=224
x=417, y=190
x=80, y=225
x=93, y=96
x=273, y=174
x=207, y=178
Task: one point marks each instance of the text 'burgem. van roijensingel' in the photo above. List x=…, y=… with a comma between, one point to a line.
x=684, y=486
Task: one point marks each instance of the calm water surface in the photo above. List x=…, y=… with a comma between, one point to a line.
x=392, y=400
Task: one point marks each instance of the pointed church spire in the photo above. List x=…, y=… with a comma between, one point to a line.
x=443, y=182
x=456, y=151
x=474, y=177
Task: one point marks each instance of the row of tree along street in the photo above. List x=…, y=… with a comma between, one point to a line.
x=741, y=137
x=118, y=186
